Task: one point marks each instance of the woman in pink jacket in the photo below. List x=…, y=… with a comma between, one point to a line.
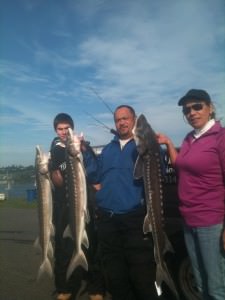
x=200, y=165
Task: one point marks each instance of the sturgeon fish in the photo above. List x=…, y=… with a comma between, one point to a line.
x=148, y=167
x=77, y=194
x=44, y=202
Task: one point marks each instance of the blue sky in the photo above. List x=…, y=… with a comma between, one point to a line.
x=64, y=55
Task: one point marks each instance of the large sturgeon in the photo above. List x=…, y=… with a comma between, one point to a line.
x=77, y=194
x=44, y=202
x=148, y=167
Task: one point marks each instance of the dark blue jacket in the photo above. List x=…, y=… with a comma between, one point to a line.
x=113, y=169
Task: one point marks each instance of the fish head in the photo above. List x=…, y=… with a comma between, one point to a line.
x=41, y=161
x=141, y=134
x=145, y=136
x=73, y=143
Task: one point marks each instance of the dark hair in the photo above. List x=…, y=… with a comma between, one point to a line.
x=63, y=118
x=125, y=106
x=213, y=114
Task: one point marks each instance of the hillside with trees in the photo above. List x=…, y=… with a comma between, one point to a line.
x=17, y=174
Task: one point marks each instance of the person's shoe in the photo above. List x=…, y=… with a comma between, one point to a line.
x=96, y=297
x=64, y=296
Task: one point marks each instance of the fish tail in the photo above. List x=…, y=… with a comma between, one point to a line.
x=163, y=275
x=85, y=240
x=67, y=233
x=159, y=276
x=45, y=267
x=78, y=260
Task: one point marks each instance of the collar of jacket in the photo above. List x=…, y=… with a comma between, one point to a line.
x=213, y=130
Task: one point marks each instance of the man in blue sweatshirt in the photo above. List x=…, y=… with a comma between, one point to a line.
x=127, y=256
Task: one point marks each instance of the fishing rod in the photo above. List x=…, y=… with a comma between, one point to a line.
x=111, y=130
x=101, y=99
x=99, y=126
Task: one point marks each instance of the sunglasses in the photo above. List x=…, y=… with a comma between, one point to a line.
x=197, y=107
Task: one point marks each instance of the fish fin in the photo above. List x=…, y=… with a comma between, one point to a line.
x=82, y=164
x=85, y=241
x=38, y=150
x=147, y=225
x=87, y=216
x=78, y=260
x=52, y=230
x=138, y=168
x=67, y=232
x=50, y=182
x=45, y=267
x=37, y=244
x=50, y=250
x=168, y=246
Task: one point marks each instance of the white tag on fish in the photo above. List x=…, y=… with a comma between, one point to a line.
x=158, y=289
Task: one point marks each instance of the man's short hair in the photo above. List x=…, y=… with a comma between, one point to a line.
x=63, y=118
x=126, y=106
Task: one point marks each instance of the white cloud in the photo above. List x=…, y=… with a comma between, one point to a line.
x=143, y=53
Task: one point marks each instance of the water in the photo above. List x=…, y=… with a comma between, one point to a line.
x=19, y=191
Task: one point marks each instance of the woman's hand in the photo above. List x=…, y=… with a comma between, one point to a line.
x=162, y=139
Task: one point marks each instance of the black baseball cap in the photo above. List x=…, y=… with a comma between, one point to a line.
x=197, y=95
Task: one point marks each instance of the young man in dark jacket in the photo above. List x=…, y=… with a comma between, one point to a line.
x=63, y=246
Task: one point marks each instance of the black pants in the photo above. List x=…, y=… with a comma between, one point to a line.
x=127, y=257
x=63, y=253
x=95, y=281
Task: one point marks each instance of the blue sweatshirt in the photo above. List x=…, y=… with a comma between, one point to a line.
x=113, y=169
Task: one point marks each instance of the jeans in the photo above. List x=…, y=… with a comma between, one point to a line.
x=208, y=261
